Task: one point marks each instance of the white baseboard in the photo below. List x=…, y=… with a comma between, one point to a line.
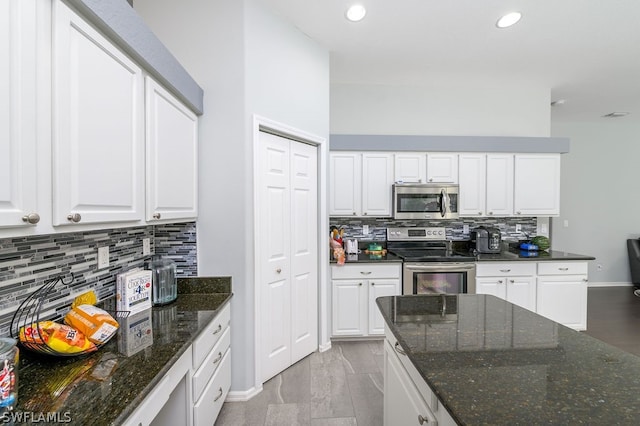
x=325, y=347
x=243, y=396
x=610, y=284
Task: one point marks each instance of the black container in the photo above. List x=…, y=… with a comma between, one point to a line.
x=486, y=240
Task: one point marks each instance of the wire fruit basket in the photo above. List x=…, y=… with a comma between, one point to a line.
x=34, y=333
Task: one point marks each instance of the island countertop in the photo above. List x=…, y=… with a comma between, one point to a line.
x=491, y=362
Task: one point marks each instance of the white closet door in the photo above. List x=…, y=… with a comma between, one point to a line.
x=304, y=250
x=275, y=220
x=288, y=257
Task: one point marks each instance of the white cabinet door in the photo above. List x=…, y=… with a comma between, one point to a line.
x=349, y=307
x=18, y=120
x=377, y=178
x=403, y=403
x=442, y=168
x=521, y=291
x=98, y=122
x=499, y=185
x=472, y=181
x=494, y=286
x=345, y=186
x=537, y=184
x=172, y=156
x=563, y=299
x=379, y=288
x=410, y=167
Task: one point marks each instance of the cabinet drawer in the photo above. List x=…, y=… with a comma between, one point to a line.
x=563, y=268
x=490, y=269
x=211, y=364
x=208, y=406
x=210, y=335
x=366, y=271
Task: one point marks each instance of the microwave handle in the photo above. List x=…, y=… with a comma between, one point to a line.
x=443, y=202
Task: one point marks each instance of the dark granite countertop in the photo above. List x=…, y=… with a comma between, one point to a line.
x=537, y=256
x=105, y=387
x=368, y=258
x=492, y=362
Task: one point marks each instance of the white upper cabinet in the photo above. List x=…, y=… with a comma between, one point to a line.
x=172, y=156
x=98, y=126
x=345, y=184
x=410, y=167
x=537, y=185
x=18, y=121
x=499, y=185
x=377, y=178
x=472, y=181
x=442, y=168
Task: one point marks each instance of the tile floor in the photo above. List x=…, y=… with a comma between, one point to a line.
x=343, y=386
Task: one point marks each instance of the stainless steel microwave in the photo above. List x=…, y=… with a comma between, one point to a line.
x=425, y=201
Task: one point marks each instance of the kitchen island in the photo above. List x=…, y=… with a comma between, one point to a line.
x=478, y=359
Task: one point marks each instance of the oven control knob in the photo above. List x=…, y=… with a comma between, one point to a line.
x=428, y=232
x=441, y=232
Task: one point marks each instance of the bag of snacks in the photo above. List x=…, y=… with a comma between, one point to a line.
x=59, y=337
x=93, y=322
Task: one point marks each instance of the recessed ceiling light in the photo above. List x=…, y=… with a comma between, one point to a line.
x=616, y=114
x=356, y=12
x=508, y=20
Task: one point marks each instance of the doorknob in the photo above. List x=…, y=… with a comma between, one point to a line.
x=279, y=270
x=75, y=217
x=31, y=218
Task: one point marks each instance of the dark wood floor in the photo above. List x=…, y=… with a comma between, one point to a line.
x=613, y=316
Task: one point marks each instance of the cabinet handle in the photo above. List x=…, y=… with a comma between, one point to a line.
x=563, y=269
x=219, y=395
x=157, y=216
x=218, y=330
x=31, y=218
x=217, y=360
x=279, y=270
x=397, y=348
x=505, y=270
x=422, y=420
x=75, y=217
x=365, y=272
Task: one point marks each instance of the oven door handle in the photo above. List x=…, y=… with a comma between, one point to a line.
x=440, y=267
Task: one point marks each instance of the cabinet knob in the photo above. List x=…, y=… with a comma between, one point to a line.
x=31, y=218
x=422, y=420
x=75, y=217
x=430, y=179
x=218, y=330
x=500, y=281
x=518, y=213
x=512, y=281
x=397, y=348
x=419, y=180
x=359, y=283
x=490, y=212
x=279, y=270
x=157, y=216
x=479, y=213
x=373, y=283
x=364, y=214
x=585, y=280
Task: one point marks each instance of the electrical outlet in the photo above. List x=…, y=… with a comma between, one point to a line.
x=103, y=257
x=544, y=229
x=365, y=229
x=465, y=229
x=518, y=227
x=566, y=223
x=599, y=267
x=146, y=246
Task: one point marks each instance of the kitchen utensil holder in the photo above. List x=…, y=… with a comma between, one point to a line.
x=28, y=314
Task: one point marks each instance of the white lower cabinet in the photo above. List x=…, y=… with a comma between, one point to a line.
x=562, y=292
x=195, y=387
x=408, y=400
x=514, y=282
x=354, y=292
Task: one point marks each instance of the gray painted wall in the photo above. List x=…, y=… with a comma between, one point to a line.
x=248, y=61
x=599, y=195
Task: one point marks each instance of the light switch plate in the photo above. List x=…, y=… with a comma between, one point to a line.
x=518, y=227
x=465, y=229
x=365, y=229
x=103, y=257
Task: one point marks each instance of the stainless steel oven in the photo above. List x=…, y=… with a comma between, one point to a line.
x=438, y=277
x=430, y=265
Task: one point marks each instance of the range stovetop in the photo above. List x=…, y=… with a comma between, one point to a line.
x=423, y=245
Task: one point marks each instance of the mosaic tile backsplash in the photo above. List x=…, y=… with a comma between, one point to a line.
x=378, y=226
x=27, y=262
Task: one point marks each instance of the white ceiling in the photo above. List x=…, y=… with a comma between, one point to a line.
x=585, y=51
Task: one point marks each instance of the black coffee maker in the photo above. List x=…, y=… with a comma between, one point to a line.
x=486, y=240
